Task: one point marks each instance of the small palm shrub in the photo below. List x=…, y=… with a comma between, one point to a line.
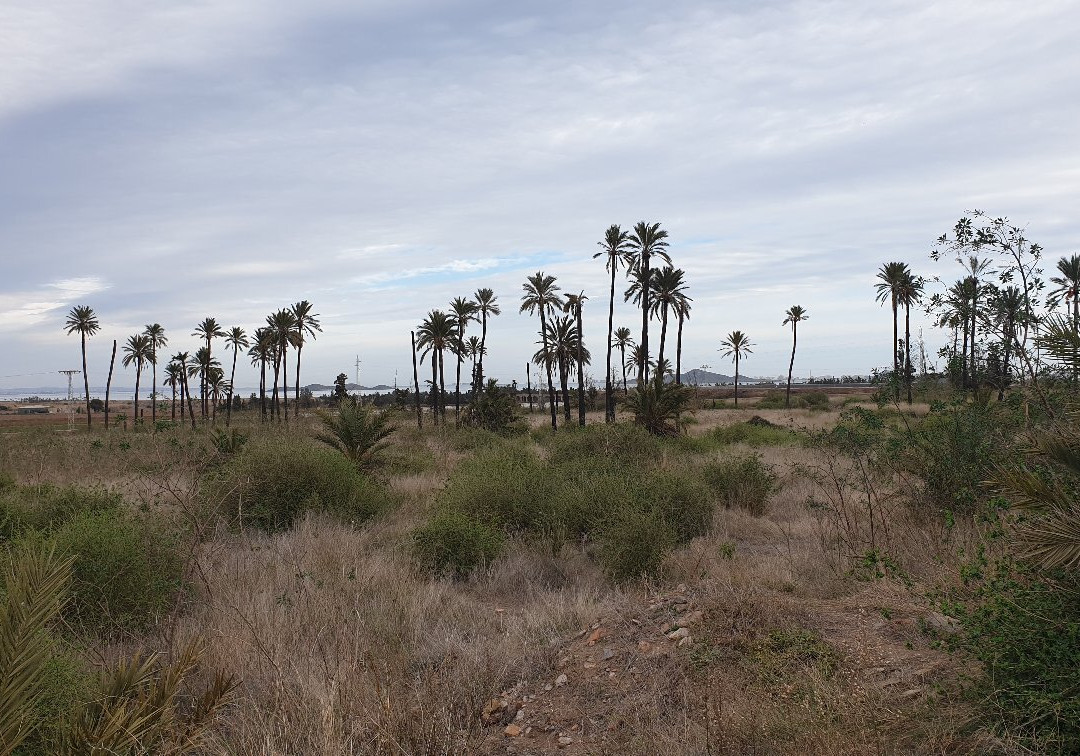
x=452, y=542
x=657, y=406
x=270, y=485
x=359, y=432
x=227, y=441
x=744, y=482
x=494, y=409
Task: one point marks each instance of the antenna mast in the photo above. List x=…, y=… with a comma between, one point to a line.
x=71, y=408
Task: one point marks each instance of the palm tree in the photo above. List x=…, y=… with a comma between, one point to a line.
x=307, y=323
x=237, y=339
x=172, y=380
x=474, y=349
x=181, y=358
x=205, y=366
x=794, y=316
x=682, y=310
x=574, y=303
x=1068, y=287
x=615, y=249
x=736, y=345
x=647, y=240
x=208, y=330
x=623, y=339
x=486, y=305
x=541, y=296
x=356, y=431
x=1009, y=310
x=976, y=268
x=434, y=336
x=911, y=291
x=464, y=311
x=562, y=348
x=83, y=321
x=668, y=285
x=283, y=325
x=137, y=349
x=217, y=385
x=156, y=334
x=262, y=352
x=891, y=276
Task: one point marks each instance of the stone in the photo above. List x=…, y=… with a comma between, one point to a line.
x=679, y=634
x=596, y=635
x=608, y=653
x=691, y=618
x=644, y=647
x=686, y=640
x=941, y=623
x=512, y=731
x=564, y=741
x=493, y=711
x=561, y=680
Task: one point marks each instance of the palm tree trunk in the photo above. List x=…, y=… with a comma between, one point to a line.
x=138, y=375
x=663, y=337
x=528, y=386
x=907, y=349
x=895, y=348
x=564, y=371
x=483, y=344
x=86, y=381
x=187, y=390
x=274, y=411
x=203, y=382
x=580, y=371
x=1009, y=328
x=153, y=390
x=296, y=396
x=457, y=384
x=609, y=394
x=643, y=368
x=791, y=364
x=964, y=357
x=547, y=364
x=262, y=387
x=974, y=312
x=285, y=380
x=108, y=383
x=174, y=400
x=232, y=378
x=678, y=352
x=442, y=387
x=736, y=379
x=625, y=390
x=416, y=382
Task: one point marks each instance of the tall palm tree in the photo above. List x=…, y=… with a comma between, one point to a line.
x=83, y=321
x=636, y=294
x=156, y=334
x=283, y=325
x=615, y=249
x=573, y=305
x=623, y=339
x=911, y=291
x=208, y=330
x=435, y=335
x=562, y=348
x=204, y=366
x=137, y=349
x=487, y=306
x=217, y=385
x=648, y=240
x=1008, y=310
x=541, y=296
x=236, y=339
x=890, y=277
x=667, y=286
x=976, y=269
x=307, y=323
x=464, y=312
x=172, y=380
x=261, y=353
x=794, y=315
x=474, y=350
x=1067, y=287
x=737, y=346
x=181, y=359
x=682, y=310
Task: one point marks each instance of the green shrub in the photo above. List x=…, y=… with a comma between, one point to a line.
x=66, y=682
x=752, y=435
x=634, y=542
x=126, y=573
x=685, y=504
x=657, y=406
x=456, y=543
x=272, y=484
x=744, y=482
x=621, y=445
x=45, y=507
x=494, y=409
x=7, y=481
x=811, y=400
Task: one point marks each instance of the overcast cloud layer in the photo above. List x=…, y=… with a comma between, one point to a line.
x=165, y=162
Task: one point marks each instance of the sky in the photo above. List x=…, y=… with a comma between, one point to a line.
x=166, y=161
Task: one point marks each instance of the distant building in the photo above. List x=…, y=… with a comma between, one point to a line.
x=32, y=409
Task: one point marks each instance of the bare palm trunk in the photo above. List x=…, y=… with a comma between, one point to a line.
x=895, y=348
x=907, y=350
x=275, y=413
x=232, y=379
x=442, y=387
x=580, y=370
x=187, y=390
x=108, y=383
x=663, y=338
x=285, y=381
x=678, y=352
x=434, y=387
x=791, y=365
x=643, y=368
x=1009, y=334
x=153, y=390
x=138, y=375
x=483, y=343
x=609, y=394
x=86, y=382
x=174, y=400
x=262, y=387
x=964, y=357
x=547, y=364
x=296, y=396
x=204, y=382
x=564, y=373
x=625, y=390
x=528, y=386
x=457, y=383
x=736, y=379
x=416, y=382
x=974, y=312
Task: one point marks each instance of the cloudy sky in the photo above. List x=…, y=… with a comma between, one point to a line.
x=165, y=161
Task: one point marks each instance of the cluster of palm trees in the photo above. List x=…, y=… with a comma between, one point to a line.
x=267, y=348
x=442, y=332
x=901, y=288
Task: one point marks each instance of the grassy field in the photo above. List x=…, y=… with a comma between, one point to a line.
x=798, y=617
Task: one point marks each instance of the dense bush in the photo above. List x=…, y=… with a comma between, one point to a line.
x=456, y=543
x=270, y=485
x=752, y=435
x=811, y=400
x=634, y=542
x=494, y=409
x=621, y=445
x=45, y=507
x=743, y=481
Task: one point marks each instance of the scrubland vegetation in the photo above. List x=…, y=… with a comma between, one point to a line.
x=861, y=588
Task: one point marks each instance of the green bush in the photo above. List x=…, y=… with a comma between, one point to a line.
x=622, y=445
x=272, y=484
x=126, y=573
x=744, y=482
x=45, y=507
x=456, y=543
x=7, y=481
x=1024, y=627
x=494, y=409
x=634, y=542
x=811, y=400
x=67, y=682
x=752, y=435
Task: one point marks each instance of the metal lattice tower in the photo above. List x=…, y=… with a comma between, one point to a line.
x=71, y=408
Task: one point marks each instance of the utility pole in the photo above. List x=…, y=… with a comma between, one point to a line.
x=357, y=372
x=71, y=408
